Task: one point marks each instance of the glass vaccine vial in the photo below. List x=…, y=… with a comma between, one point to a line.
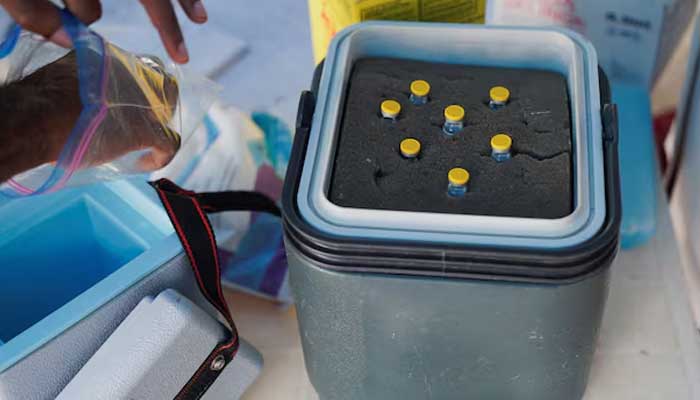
x=390, y=109
x=454, y=119
x=410, y=148
x=500, y=147
x=499, y=96
x=458, y=182
x=420, y=90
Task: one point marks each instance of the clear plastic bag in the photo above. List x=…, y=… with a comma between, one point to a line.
x=134, y=113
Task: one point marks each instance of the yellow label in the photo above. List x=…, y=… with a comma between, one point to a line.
x=402, y=10
x=471, y=11
x=339, y=11
x=321, y=34
x=330, y=16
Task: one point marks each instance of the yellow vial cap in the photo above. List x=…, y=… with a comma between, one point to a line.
x=501, y=143
x=499, y=94
x=410, y=148
x=390, y=108
x=458, y=176
x=454, y=113
x=420, y=88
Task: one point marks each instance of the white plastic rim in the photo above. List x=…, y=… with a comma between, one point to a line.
x=553, y=49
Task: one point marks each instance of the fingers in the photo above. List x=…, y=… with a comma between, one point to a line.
x=42, y=17
x=163, y=17
x=159, y=156
x=38, y=16
x=87, y=11
x=161, y=148
x=154, y=160
x=195, y=10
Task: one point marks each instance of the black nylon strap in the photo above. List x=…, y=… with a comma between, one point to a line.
x=187, y=212
x=214, y=202
x=244, y=201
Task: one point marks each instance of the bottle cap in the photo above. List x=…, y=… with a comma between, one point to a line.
x=454, y=113
x=390, y=108
x=410, y=148
x=501, y=143
x=420, y=88
x=499, y=94
x=458, y=176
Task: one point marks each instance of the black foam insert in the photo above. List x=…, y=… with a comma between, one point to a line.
x=369, y=171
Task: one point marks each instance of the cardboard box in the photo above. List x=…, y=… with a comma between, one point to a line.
x=330, y=16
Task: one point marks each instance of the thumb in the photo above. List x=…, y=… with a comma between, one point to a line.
x=154, y=160
x=159, y=156
x=38, y=16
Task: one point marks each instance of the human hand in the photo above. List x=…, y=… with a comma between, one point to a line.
x=40, y=111
x=134, y=122
x=42, y=17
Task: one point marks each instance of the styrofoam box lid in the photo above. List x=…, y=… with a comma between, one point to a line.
x=553, y=49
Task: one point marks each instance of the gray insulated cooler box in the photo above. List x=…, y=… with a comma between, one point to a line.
x=408, y=290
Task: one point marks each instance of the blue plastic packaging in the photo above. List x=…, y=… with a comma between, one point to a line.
x=638, y=166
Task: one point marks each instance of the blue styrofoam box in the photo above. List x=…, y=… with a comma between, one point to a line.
x=64, y=255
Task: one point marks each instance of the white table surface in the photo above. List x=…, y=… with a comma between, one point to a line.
x=278, y=63
x=649, y=348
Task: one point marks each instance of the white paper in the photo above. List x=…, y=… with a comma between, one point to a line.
x=634, y=38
